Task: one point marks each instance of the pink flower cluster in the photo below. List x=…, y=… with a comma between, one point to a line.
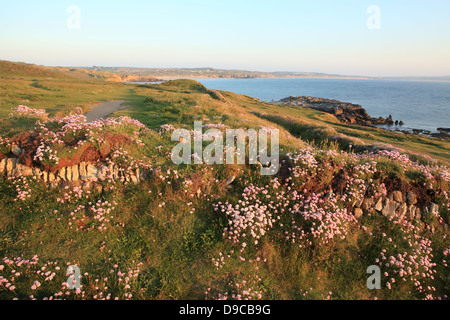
x=24, y=111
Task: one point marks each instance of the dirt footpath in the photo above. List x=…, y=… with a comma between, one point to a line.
x=103, y=110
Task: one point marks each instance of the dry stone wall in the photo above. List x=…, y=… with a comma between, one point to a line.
x=83, y=172
x=398, y=205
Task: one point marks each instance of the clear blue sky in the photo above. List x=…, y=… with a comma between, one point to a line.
x=268, y=35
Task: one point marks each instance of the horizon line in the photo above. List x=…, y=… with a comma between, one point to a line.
x=237, y=69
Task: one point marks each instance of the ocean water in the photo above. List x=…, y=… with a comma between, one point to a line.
x=419, y=104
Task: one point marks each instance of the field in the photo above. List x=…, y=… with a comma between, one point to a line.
x=210, y=231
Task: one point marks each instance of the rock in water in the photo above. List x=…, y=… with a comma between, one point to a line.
x=345, y=112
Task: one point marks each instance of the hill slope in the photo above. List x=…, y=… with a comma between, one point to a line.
x=107, y=197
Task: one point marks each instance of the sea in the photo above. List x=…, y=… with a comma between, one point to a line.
x=423, y=105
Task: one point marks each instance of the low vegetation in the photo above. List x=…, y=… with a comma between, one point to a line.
x=212, y=231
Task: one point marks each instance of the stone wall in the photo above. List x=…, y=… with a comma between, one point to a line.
x=83, y=172
x=398, y=205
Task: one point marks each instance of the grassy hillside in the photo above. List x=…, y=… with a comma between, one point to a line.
x=53, y=89
x=212, y=231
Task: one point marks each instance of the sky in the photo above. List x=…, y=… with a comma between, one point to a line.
x=349, y=37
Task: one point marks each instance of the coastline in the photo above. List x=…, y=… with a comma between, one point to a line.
x=354, y=114
x=405, y=128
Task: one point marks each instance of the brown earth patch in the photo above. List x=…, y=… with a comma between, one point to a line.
x=28, y=142
x=90, y=154
x=339, y=182
x=424, y=196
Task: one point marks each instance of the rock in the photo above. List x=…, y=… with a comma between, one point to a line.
x=379, y=205
x=3, y=165
x=367, y=203
x=138, y=174
x=134, y=179
x=16, y=150
x=230, y=180
x=411, y=212
x=37, y=173
x=10, y=165
x=51, y=177
x=69, y=173
x=358, y=202
x=102, y=172
x=345, y=112
x=75, y=173
x=116, y=173
x=389, y=120
x=358, y=213
x=418, y=214
x=397, y=196
x=62, y=174
x=434, y=209
x=82, y=171
x=91, y=172
x=402, y=210
x=111, y=170
x=411, y=197
x=389, y=208
x=22, y=170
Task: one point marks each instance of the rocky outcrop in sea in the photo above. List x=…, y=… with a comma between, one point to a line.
x=345, y=112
